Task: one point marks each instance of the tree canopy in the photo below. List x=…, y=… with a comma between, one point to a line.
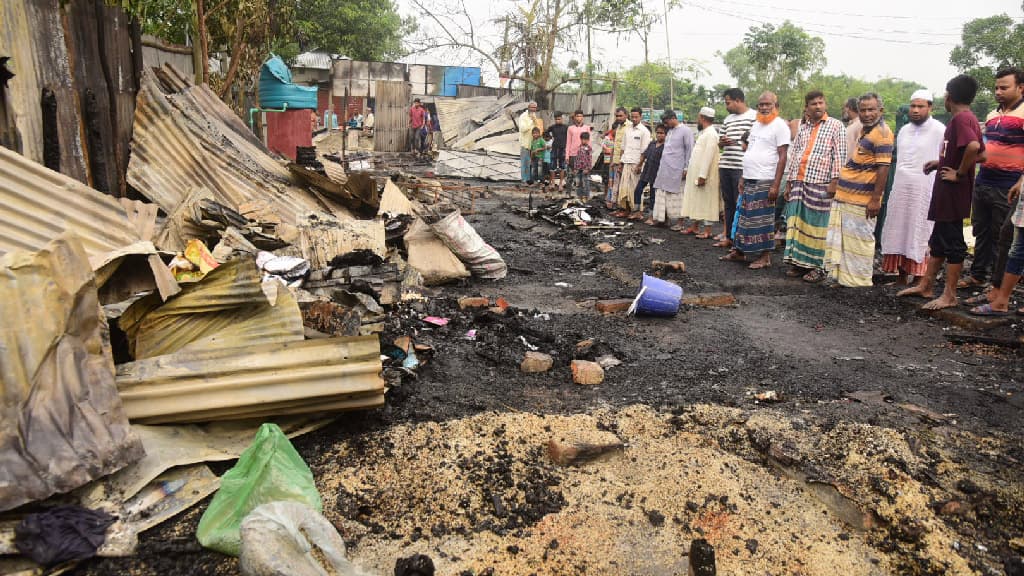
x=779, y=59
x=988, y=44
x=360, y=29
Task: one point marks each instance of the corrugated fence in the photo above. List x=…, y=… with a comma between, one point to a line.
x=390, y=133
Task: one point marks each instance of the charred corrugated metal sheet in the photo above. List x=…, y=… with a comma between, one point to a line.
x=37, y=204
x=300, y=377
x=225, y=309
x=61, y=420
x=391, y=131
x=183, y=142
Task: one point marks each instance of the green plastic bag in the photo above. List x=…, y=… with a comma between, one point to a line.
x=268, y=471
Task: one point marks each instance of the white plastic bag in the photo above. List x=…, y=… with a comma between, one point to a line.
x=278, y=539
x=480, y=257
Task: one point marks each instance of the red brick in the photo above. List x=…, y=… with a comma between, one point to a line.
x=587, y=373
x=613, y=306
x=474, y=302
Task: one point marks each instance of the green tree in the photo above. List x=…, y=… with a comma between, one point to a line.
x=838, y=88
x=986, y=45
x=360, y=29
x=779, y=59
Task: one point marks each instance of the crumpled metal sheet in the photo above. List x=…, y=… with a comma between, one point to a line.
x=226, y=309
x=182, y=141
x=312, y=376
x=37, y=204
x=62, y=421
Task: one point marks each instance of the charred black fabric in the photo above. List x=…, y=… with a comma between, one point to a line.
x=61, y=534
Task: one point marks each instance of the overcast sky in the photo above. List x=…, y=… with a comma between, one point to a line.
x=869, y=39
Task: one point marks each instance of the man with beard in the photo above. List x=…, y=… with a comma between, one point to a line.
x=906, y=229
x=818, y=153
x=701, y=199
x=1004, y=145
x=558, y=132
x=764, y=162
x=526, y=122
x=850, y=241
x=962, y=146
x=675, y=157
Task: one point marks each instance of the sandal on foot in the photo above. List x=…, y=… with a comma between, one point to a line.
x=688, y=232
x=814, y=276
x=703, y=236
x=733, y=256
x=987, y=310
x=795, y=272
x=969, y=282
x=977, y=300
x=758, y=265
x=723, y=244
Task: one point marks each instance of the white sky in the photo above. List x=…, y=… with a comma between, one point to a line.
x=869, y=39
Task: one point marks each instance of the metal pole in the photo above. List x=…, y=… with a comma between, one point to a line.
x=668, y=49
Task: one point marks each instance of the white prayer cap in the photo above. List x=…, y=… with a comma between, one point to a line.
x=708, y=112
x=922, y=94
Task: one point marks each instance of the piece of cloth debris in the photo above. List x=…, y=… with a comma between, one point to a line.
x=61, y=534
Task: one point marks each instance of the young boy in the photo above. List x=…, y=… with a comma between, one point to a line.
x=536, y=158
x=548, y=177
x=951, y=194
x=648, y=169
x=581, y=167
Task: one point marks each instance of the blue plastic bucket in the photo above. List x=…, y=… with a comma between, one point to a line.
x=658, y=297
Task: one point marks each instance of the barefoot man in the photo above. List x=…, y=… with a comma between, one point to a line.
x=951, y=196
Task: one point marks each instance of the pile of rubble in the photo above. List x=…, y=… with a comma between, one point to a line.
x=143, y=338
x=480, y=137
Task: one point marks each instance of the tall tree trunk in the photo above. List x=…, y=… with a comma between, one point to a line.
x=236, y=55
x=204, y=39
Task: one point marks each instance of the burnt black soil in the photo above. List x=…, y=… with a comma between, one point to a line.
x=810, y=344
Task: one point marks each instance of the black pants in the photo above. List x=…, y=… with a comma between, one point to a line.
x=1003, y=249
x=988, y=212
x=729, y=183
x=947, y=241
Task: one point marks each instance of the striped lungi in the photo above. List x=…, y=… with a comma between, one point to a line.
x=755, y=227
x=627, y=186
x=667, y=206
x=850, y=245
x=807, y=224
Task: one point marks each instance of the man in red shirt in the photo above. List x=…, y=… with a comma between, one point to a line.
x=417, y=116
x=952, y=192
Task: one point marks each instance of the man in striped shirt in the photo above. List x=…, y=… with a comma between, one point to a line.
x=850, y=242
x=818, y=153
x=730, y=164
x=1004, y=146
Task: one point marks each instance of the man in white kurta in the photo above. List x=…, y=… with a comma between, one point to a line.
x=701, y=199
x=675, y=157
x=907, y=228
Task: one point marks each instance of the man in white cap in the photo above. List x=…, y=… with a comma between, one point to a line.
x=634, y=142
x=906, y=229
x=812, y=172
x=701, y=199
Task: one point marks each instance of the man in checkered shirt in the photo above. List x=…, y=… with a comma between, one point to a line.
x=812, y=171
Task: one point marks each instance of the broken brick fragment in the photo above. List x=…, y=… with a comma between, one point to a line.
x=536, y=362
x=615, y=306
x=587, y=373
x=474, y=302
x=604, y=247
x=582, y=446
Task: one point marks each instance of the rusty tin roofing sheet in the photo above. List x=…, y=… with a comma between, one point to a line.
x=290, y=378
x=61, y=420
x=38, y=204
x=183, y=141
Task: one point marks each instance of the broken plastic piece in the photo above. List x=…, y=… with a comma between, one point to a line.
x=436, y=321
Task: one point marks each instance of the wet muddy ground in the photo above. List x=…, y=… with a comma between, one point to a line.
x=888, y=450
